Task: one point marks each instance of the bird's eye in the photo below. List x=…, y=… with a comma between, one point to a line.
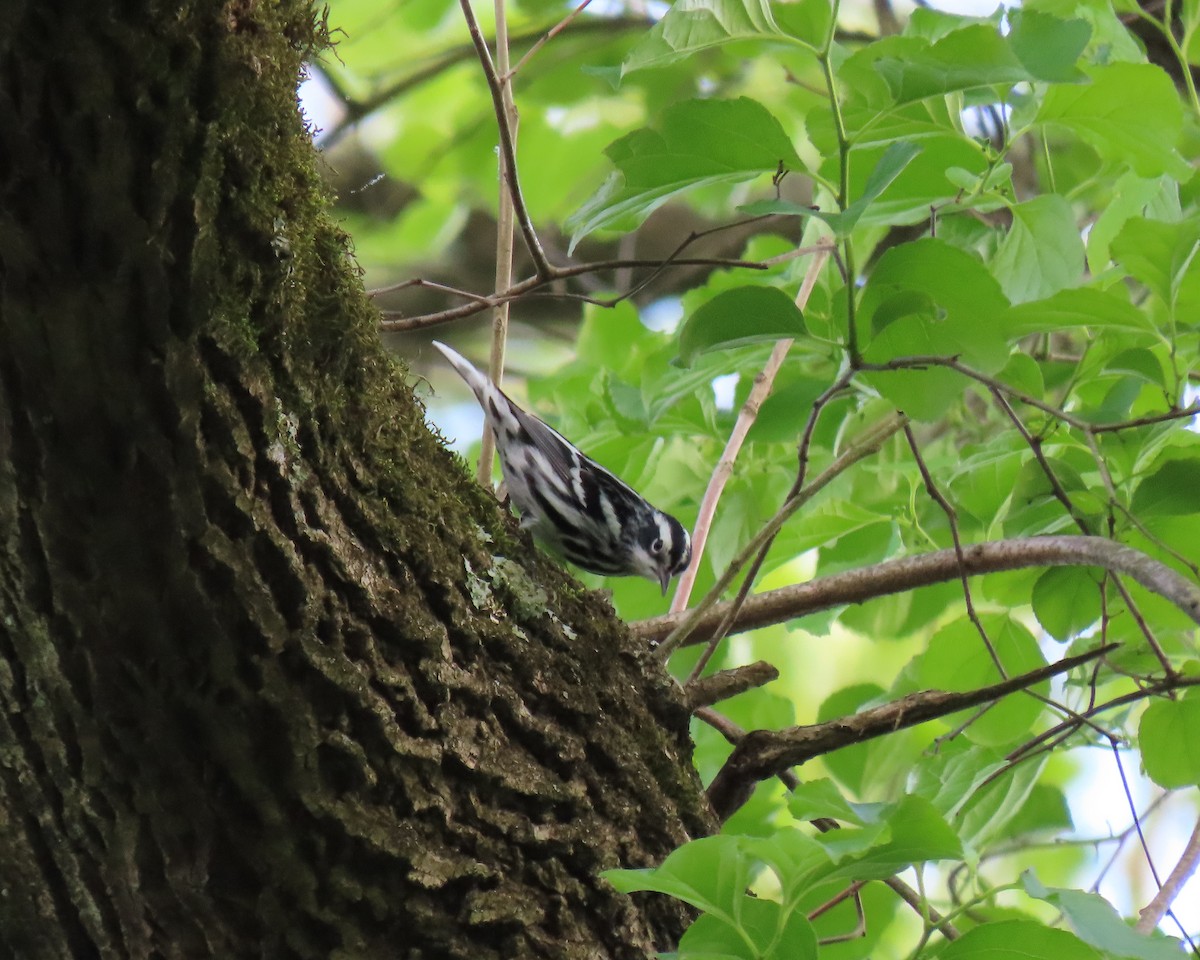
x=657, y=546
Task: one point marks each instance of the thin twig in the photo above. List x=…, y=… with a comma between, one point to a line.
x=760, y=557
x=1112, y=742
x=506, y=75
x=507, y=145
x=860, y=926
x=952, y=519
x=1035, y=444
x=394, y=321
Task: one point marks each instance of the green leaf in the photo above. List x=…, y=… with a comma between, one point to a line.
x=796, y=859
x=735, y=318
x=1163, y=256
x=1042, y=252
x=1130, y=196
x=821, y=798
x=958, y=659
x=886, y=170
x=694, y=25
x=915, y=833
x=989, y=811
x=969, y=312
x=1096, y=922
x=761, y=932
x=1047, y=46
x=784, y=413
x=1017, y=940
x=1066, y=600
x=1140, y=362
x=702, y=142
x=1130, y=114
x=1172, y=490
x=709, y=873
x=1083, y=307
x=1169, y=735
x=958, y=781
x=807, y=20
x=1045, y=813
x=1040, y=47
x=974, y=56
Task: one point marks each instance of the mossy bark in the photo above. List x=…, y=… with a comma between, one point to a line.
x=267, y=687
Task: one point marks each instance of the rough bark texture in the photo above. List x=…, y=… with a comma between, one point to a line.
x=267, y=685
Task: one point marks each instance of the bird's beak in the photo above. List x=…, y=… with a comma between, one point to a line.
x=664, y=577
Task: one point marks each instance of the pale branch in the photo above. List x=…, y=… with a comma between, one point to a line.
x=505, y=241
x=1150, y=915
x=907, y=573
x=729, y=683
x=765, y=753
x=863, y=447
x=745, y=420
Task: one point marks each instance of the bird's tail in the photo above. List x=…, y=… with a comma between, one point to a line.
x=480, y=385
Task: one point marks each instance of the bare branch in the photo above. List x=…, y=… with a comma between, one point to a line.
x=541, y=41
x=907, y=573
x=729, y=683
x=735, y=734
x=764, y=753
x=396, y=322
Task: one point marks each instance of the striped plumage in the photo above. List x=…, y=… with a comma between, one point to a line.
x=571, y=503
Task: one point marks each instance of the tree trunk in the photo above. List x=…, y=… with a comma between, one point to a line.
x=275, y=678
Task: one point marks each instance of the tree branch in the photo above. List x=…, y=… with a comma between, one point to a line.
x=396, y=322
x=1156, y=909
x=735, y=734
x=765, y=753
x=907, y=573
x=729, y=683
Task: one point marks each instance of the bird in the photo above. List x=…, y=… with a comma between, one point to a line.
x=570, y=503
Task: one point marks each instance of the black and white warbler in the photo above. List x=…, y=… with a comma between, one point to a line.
x=571, y=503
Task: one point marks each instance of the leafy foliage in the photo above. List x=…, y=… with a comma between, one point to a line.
x=1013, y=209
